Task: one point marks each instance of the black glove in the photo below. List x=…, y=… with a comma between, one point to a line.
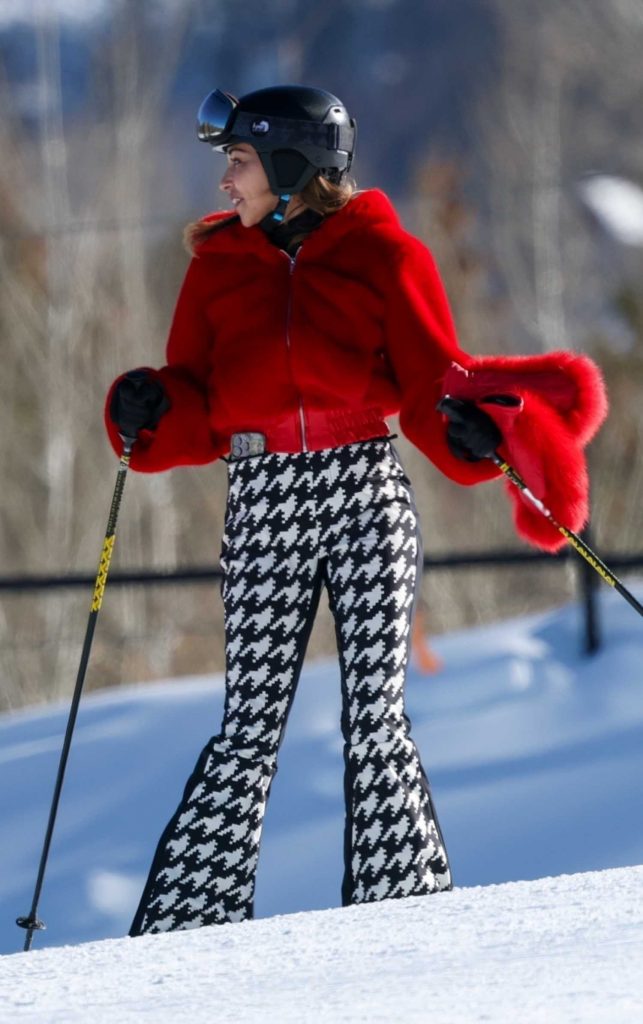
x=138, y=402
x=472, y=435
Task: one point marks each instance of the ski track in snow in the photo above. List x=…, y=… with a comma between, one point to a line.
x=555, y=950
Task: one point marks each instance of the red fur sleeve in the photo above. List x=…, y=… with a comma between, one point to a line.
x=562, y=400
x=183, y=435
x=562, y=405
x=421, y=345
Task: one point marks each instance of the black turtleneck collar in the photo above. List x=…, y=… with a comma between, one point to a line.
x=291, y=233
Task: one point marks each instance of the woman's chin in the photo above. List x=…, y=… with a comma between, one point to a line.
x=249, y=219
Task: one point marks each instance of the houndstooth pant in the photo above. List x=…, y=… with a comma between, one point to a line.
x=343, y=517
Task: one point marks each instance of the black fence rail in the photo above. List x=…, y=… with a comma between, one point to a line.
x=587, y=580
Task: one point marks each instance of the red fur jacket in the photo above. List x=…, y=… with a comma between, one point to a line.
x=316, y=352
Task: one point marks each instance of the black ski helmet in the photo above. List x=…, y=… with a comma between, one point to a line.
x=296, y=130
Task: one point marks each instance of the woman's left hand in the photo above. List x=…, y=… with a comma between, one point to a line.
x=472, y=435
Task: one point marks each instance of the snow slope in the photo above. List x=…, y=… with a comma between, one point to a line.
x=554, y=950
x=535, y=754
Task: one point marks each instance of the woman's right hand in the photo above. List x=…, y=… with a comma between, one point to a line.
x=138, y=402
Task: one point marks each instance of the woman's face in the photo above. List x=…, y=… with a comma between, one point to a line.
x=246, y=184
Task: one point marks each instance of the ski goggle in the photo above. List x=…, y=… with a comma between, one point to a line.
x=215, y=116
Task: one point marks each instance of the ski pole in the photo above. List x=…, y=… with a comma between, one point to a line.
x=31, y=922
x=576, y=542
x=451, y=407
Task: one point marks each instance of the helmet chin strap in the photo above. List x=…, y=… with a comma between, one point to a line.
x=273, y=219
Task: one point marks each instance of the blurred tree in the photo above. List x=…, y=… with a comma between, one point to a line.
x=479, y=117
x=566, y=102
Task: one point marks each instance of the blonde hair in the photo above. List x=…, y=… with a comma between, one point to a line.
x=325, y=197
x=320, y=194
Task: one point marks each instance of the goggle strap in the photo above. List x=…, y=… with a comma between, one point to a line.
x=286, y=130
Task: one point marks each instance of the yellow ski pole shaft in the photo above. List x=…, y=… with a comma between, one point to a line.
x=576, y=542
x=31, y=922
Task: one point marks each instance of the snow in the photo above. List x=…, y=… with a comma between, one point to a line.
x=617, y=204
x=35, y=11
x=535, y=753
x=554, y=950
x=74, y=12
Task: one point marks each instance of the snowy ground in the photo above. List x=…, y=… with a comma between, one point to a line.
x=555, y=950
x=536, y=759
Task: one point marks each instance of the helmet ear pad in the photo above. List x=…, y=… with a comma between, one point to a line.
x=287, y=170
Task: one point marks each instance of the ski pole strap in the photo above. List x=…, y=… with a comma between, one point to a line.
x=576, y=542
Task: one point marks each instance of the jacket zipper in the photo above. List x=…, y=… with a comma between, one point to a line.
x=302, y=423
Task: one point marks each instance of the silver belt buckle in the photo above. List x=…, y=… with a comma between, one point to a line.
x=247, y=443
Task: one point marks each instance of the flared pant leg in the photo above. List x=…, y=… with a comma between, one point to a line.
x=204, y=868
x=393, y=843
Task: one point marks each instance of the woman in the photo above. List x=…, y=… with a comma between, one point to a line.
x=306, y=317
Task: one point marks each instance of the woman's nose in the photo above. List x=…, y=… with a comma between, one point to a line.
x=225, y=181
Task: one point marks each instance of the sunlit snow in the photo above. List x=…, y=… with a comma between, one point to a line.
x=617, y=204
x=534, y=751
x=551, y=951
x=536, y=758
x=39, y=12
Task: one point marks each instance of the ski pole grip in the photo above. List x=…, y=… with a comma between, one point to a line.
x=451, y=408
x=128, y=443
